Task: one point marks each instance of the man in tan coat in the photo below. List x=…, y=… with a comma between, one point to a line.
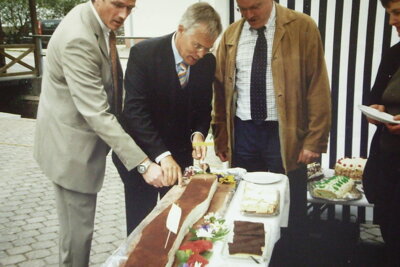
x=76, y=123
x=290, y=122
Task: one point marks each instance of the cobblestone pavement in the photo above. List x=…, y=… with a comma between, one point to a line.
x=28, y=220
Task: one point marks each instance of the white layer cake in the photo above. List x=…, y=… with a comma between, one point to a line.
x=350, y=167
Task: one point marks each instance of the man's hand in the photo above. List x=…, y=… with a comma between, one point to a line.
x=154, y=175
x=223, y=156
x=171, y=171
x=199, y=148
x=307, y=156
x=394, y=128
x=378, y=107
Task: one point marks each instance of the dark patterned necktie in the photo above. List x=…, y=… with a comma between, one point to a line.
x=115, y=68
x=258, y=91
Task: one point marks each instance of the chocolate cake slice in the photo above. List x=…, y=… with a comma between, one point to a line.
x=248, y=239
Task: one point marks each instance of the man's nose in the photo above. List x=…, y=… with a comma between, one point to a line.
x=201, y=53
x=124, y=13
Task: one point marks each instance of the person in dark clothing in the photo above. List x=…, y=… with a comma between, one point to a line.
x=382, y=171
x=167, y=109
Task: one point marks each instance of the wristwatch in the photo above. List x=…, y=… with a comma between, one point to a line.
x=142, y=167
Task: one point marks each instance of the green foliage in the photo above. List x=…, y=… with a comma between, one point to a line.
x=51, y=9
x=16, y=20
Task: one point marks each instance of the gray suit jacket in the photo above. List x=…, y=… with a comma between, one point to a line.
x=75, y=128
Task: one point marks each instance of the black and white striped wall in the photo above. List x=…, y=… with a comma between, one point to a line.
x=355, y=33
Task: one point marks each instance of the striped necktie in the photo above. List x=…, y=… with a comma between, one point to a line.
x=182, y=73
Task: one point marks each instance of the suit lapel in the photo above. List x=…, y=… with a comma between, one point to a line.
x=96, y=28
x=168, y=64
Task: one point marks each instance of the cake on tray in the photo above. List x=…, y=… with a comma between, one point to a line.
x=335, y=187
x=194, y=202
x=248, y=239
x=350, y=167
x=259, y=200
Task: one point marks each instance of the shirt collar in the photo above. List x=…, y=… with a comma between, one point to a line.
x=104, y=28
x=177, y=56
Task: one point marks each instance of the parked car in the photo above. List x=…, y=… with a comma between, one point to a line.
x=47, y=27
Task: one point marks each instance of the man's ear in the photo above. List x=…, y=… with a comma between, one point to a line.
x=181, y=29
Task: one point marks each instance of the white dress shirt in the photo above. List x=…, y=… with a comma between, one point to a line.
x=244, y=59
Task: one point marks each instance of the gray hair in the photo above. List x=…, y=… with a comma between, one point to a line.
x=202, y=14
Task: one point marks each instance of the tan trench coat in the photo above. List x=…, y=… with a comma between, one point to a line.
x=300, y=81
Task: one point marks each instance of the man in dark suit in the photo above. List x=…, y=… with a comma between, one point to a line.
x=167, y=108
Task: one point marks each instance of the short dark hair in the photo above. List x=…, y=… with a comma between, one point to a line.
x=385, y=3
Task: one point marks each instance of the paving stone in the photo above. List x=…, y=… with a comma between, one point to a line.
x=49, y=229
x=7, y=237
x=3, y=254
x=30, y=233
x=48, y=236
x=12, y=260
x=103, y=248
x=33, y=263
x=32, y=226
x=38, y=254
x=19, y=250
x=23, y=211
x=108, y=231
x=36, y=219
x=99, y=258
x=107, y=238
x=52, y=259
x=19, y=218
x=5, y=245
x=44, y=244
x=4, y=220
x=23, y=241
x=50, y=222
x=6, y=214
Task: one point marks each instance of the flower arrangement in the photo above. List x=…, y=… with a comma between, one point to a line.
x=214, y=228
x=197, y=251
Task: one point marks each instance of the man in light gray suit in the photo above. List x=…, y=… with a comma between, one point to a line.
x=76, y=125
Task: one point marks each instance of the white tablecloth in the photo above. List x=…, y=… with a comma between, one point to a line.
x=272, y=224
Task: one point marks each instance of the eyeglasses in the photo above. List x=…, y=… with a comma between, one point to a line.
x=252, y=8
x=200, y=48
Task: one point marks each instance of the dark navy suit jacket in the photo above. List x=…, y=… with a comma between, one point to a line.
x=158, y=113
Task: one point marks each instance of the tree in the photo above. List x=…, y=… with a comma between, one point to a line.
x=16, y=18
x=56, y=8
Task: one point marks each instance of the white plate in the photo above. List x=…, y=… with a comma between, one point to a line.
x=377, y=115
x=262, y=177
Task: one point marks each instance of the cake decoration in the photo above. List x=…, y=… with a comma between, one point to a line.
x=335, y=187
x=350, y=167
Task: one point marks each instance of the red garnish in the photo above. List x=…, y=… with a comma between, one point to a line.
x=197, y=246
x=197, y=258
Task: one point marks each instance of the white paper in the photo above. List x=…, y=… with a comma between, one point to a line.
x=174, y=216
